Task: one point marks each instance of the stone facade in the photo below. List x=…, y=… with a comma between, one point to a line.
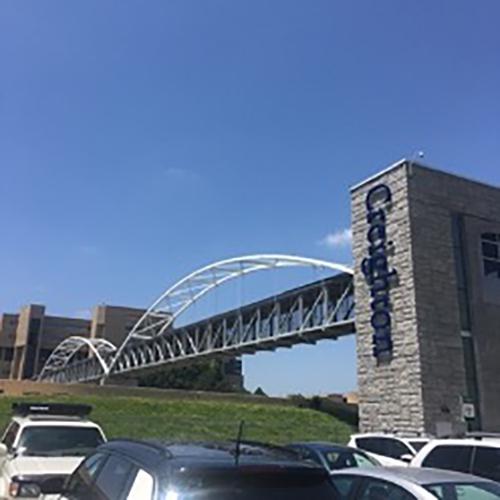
x=424, y=386
x=390, y=393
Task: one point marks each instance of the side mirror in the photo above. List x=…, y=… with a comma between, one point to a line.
x=3, y=450
x=407, y=457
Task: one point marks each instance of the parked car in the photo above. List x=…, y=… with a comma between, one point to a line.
x=135, y=470
x=43, y=443
x=476, y=456
x=332, y=456
x=388, y=449
x=406, y=483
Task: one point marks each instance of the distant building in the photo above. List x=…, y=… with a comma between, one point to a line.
x=113, y=323
x=28, y=338
x=8, y=327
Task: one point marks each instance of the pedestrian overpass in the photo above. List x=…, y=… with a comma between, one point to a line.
x=320, y=310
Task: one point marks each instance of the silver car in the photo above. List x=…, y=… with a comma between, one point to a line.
x=403, y=483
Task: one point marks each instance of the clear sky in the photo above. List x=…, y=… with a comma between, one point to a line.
x=142, y=140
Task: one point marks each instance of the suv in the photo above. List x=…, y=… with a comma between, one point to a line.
x=42, y=443
x=137, y=470
x=477, y=456
x=388, y=449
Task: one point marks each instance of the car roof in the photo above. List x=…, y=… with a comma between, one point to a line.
x=417, y=475
x=388, y=435
x=491, y=442
x=322, y=445
x=53, y=420
x=158, y=454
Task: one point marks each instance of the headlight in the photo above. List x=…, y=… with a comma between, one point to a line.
x=22, y=489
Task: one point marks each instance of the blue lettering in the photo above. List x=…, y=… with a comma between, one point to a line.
x=376, y=270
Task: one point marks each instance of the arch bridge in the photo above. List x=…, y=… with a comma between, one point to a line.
x=320, y=310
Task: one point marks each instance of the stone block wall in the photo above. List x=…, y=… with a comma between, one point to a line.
x=423, y=386
x=390, y=392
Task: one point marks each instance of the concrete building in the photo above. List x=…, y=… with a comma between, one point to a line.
x=32, y=335
x=28, y=338
x=8, y=327
x=113, y=323
x=426, y=248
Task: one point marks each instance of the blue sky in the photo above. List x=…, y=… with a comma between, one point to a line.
x=142, y=140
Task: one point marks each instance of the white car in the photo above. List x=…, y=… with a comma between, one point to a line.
x=390, y=450
x=42, y=445
x=479, y=456
x=405, y=483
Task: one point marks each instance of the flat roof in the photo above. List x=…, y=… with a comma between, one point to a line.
x=418, y=164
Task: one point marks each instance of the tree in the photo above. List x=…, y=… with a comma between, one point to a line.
x=201, y=376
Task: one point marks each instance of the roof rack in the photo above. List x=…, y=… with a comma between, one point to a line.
x=48, y=409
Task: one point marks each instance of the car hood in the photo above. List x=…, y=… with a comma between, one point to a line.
x=44, y=465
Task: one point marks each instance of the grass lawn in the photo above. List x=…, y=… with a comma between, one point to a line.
x=173, y=419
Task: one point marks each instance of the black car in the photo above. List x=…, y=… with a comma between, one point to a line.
x=137, y=470
x=333, y=456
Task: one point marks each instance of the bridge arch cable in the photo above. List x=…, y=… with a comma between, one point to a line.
x=159, y=318
x=175, y=300
x=66, y=351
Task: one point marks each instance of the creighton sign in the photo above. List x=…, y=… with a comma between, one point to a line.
x=376, y=270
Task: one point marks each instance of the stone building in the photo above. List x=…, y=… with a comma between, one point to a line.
x=426, y=248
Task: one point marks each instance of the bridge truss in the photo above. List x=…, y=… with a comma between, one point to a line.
x=304, y=315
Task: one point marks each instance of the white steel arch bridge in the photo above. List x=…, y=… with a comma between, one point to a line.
x=320, y=310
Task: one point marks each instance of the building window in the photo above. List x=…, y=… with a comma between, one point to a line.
x=490, y=252
x=460, y=257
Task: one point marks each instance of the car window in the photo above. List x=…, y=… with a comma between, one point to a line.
x=114, y=479
x=376, y=489
x=10, y=435
x=256, y=483
x=384, y=446
x=463, y=491
x=487, y=463
x=374, y=445
x=80, y=484
x=396, y=449
x=363, y=461
x=344, y=486
x=340, y=459
x=142, y=487
x=449, y=457
x=306, y=454
x=39, y=440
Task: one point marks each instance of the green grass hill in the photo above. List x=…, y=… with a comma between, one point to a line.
x=185, y=419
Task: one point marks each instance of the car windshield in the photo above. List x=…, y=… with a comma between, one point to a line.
x=58, y=441
x=252, y=484
x=465, y=491
x=418, y=445
x=341, y=459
